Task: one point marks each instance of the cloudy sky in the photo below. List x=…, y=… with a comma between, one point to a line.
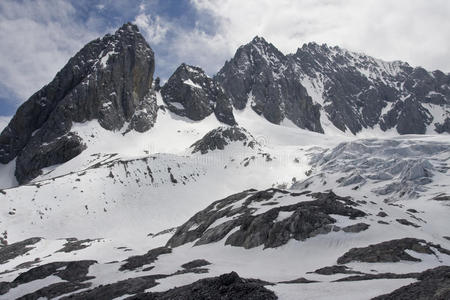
x=39, y=36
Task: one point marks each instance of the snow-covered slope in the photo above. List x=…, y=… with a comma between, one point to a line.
x=127, y=201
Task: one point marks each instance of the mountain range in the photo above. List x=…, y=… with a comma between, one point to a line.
x=291, y=176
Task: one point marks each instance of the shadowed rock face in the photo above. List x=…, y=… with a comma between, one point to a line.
x=262, y=73
x=14, y=250
x=390, y=251
x=73, y=272
x=138, y=261
x=226, y=287
x=220, y=137
x=444, y=127
x=272, y=228
x=433, y=284
x=353, y=90
x=109, y=80
x=189, y=92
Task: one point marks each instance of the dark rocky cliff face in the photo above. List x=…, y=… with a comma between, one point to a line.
x=262, y=73
x=189, y=92
x=354, y=91
x=110, y=80
x=360, y=91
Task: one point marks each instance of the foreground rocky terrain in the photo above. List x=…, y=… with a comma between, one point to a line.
x=282, y=177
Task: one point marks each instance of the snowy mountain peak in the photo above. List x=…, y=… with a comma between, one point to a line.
x=350, y=92
x=109, y=79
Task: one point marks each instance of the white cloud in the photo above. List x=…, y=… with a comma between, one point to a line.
x=154, y=28
x=412, y=30
x=37, y=39
x=4, y=122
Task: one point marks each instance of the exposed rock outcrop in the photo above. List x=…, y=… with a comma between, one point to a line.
x=271, y=228
x=443, y=127
x=391, y=251
x=337, y=269
x=191, y=93
x=197, y=263
x=73, y=272
x=14, y=250
x=220, y=137
x=354, y=91
x=109, y=79
x=138, y=261
x=226, y=287
x=433, y=284
x=260, y=74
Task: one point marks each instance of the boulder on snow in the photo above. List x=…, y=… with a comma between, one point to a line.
x=220, y=137
x=391, y=251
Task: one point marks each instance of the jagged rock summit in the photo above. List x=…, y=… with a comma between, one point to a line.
x=110, y=79
x=220, y=137
x=189, y=92
x=353, y=91
x=261, y=74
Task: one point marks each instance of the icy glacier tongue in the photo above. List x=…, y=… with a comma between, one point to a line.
x=226, y=187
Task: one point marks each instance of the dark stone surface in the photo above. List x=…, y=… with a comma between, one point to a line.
x=382, y=214
x=189, y=92
x=225, y=287
x=87, y=88
x=412, y=117
x=335, y=270
x=138, y=261
x=220, y=137
x=390, y=251
x=74, y=244
x=407, y=223
x=356, y=227
x=443, y=127
x=128, y=286
x=14, y=250
x=442, y=197
x=298, y=280
x=195, y=264
x=306, y=219
x=74, y=272
x=55, y=290
x=259, y=69
x=392, y=96
x=433, y=284
x=378, y=276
